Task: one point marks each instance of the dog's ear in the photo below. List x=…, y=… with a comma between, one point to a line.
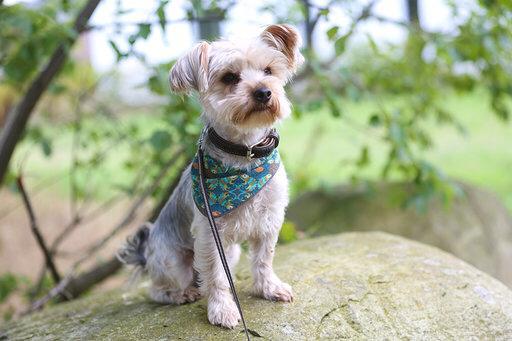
x=190, y=72
x=285, y=39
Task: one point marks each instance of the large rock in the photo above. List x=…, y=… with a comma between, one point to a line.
x=476, y=227
x=354, y=285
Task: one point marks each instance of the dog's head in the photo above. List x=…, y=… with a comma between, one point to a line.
x=242, y=84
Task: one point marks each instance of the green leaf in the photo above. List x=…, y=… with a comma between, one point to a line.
x=119, y=54
x=364, y=157
x=324, y=12
x=144, y=30
x=333, y=105
x=8, y=283
x=132, y=39
x=340, y=45
x=46, y=147
x=160, y=12
x=374, y=120
x=332, y=32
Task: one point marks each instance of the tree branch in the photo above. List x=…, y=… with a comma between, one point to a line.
x=61, y=289
x=134, y=23
x=88, y=279
x=99, y=272
x=35, y=230
x=17, y=120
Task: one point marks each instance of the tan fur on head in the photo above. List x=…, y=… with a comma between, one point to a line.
x=285, y=39
x=227, y=75
x=190, y=71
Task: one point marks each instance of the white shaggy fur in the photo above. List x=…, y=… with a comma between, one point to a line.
x=180, y=253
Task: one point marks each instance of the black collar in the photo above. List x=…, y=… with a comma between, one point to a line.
x=261, y=149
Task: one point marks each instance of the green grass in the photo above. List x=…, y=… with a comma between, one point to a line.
x=317, y=149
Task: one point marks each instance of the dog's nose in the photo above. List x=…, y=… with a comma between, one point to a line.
x=262, y=95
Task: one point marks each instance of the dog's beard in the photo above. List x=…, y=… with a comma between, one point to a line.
x=257, y=114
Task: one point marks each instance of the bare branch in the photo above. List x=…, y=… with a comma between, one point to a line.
x=134, y=23
x=88, y=279
x=80, y=219
x=366, y=13
x=61, y=288
x=98, y=273
x=390, y=21
x=132, y=212
x=54, y=292
x=35, y=230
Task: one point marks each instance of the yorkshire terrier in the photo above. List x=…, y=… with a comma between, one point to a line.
x=241, y=87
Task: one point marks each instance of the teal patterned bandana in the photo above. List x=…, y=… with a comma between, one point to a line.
x=228, y=188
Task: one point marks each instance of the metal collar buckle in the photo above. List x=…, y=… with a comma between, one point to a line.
x=250, y=154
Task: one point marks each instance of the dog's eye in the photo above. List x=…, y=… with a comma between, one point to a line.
x=267, y=71
x=230, y=78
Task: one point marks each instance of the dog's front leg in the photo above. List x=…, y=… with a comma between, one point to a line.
x=266, y=282
x=214, y=285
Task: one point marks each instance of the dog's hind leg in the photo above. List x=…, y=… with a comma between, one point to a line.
x=170, y=252
x=172, y=277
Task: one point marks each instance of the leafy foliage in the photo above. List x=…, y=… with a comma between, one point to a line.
x=28, y=38
x=418, y=72
x=98, y=137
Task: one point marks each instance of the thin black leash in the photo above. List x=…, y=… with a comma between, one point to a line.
x=216, y=237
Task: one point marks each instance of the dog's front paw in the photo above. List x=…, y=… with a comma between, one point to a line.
x=274, y=290
x=223, y=312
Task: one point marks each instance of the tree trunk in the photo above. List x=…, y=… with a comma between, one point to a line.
x=17, y=120
x=209, y=28
x=413, y=12
x=309, y=25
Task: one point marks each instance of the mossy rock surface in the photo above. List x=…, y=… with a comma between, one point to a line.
x=360, y=286
x=476, y=227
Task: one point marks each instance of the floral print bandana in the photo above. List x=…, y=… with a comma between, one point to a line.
x=227, y=187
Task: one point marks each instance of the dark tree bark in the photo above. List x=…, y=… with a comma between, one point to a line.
x=209, y=27
x=309, y=26
x=37, y=233
x=17, y=120
x=413, y=12
x=87, y=280
x=310, y=22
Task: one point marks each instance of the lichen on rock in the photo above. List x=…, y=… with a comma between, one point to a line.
x=366, y=285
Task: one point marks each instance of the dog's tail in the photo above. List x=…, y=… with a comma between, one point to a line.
x=132, y=253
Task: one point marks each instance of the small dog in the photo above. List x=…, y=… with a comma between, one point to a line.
x=241, y=87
